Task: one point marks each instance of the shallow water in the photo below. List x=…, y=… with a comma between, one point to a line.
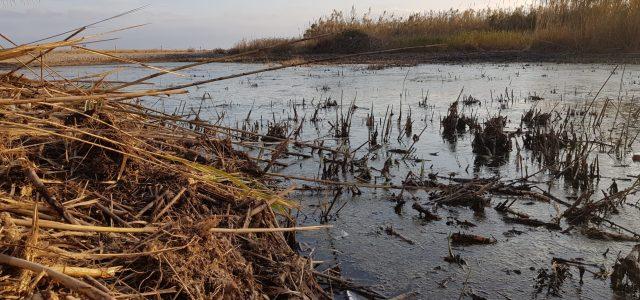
x=356, y=243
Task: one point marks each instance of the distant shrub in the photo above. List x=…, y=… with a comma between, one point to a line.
x=274, y=43
x=348, y=41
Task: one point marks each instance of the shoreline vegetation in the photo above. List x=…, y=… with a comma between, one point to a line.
x=558, y=26
x=577, y=31
x=72, y=58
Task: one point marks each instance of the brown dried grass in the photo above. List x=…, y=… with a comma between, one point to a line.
x=106, y=163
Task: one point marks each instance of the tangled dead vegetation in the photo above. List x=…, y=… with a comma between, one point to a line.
x=454, y=123
x=492, y=140
x=101, y=199
x=626, y=273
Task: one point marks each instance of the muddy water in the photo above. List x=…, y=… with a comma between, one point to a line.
x=356, y=243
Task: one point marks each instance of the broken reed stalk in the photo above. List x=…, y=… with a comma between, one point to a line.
x=82, y=228
x=339, y=183
x=90, y=272
x=267, y=230
x=131, y=61
x=53, y=202
x=68, y=281
x=69, y=99
x=87, y=228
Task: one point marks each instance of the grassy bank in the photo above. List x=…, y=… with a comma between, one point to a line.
x=582, y=26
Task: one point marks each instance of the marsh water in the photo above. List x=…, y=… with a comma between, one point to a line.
x=357, y=244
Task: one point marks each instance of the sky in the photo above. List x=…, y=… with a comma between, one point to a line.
x=198, y=24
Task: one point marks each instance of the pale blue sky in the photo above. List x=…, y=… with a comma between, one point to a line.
x=197, y=23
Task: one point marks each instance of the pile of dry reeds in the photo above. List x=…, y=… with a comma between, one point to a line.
x=101, y=199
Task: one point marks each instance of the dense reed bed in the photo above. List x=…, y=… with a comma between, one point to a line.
x=587, y=26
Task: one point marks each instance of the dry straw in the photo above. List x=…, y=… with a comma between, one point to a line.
x=101, y=199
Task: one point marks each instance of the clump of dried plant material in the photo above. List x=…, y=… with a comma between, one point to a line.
x=533, y=118
x=101, y=199
x=551, y=281
x=626, y=273
x=492, y=140
x=455, y=123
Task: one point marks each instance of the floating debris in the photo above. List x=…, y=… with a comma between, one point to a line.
x=458, y=239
